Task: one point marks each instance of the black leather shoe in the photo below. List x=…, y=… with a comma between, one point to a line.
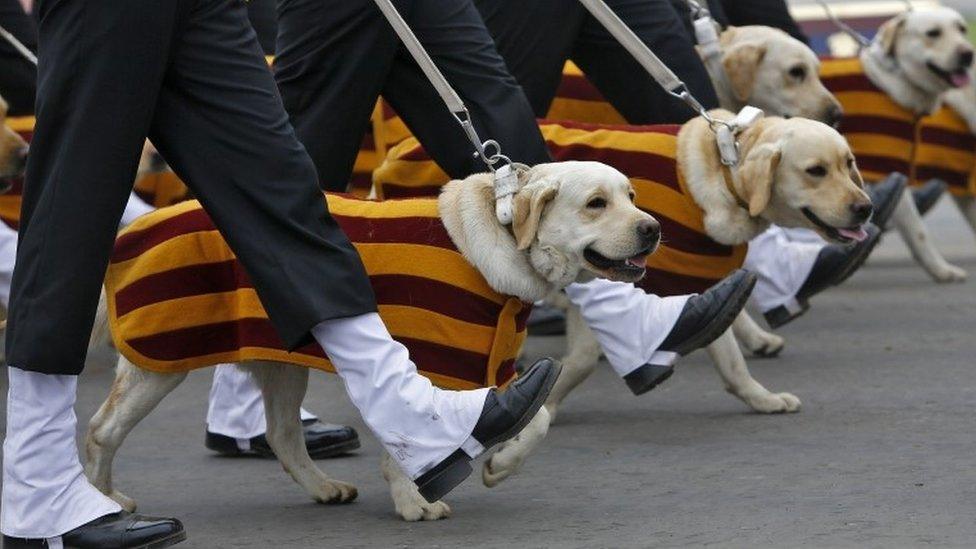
x=323, y=440
x=116, y=531
x=704, y=317
x=546, y=320
x=885, y=196
x=835, y=263
x=504, y=415
x=926, y=196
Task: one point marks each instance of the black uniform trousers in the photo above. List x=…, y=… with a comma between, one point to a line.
x=336, y=57
x=191, y=75
x=18, y=76
x=537, y=37
x=770, y=13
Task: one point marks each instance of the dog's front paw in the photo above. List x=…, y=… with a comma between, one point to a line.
x=420, y=509
x=511, y=455
x=128, y=504
x=947, y=274
x=773, y=403
x=411, y=506
x=334, y=491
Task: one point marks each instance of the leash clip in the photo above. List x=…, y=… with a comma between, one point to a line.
x=727, y=132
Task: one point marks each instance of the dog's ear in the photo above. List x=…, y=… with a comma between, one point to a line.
x=530, y=201
x=888, y=34
x=756, y=175
x=741, y=64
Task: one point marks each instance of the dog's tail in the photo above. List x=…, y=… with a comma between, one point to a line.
x=101, y=334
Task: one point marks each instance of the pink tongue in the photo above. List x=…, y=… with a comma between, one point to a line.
x=639, y=262
x=960, y=79
x=859, y=235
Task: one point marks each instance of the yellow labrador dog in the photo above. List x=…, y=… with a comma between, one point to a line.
x=916, y=58
x=794, y=173
x=769, y=69
x=555, y=229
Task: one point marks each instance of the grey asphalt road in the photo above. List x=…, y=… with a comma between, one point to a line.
x=882, y=454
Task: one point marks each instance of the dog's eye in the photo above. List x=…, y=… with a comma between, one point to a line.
x=596, y=203
x=798, y=72
x=850, y=163
x=817, y=171
x=963, y=29
x=633, y=196
x=934, y=33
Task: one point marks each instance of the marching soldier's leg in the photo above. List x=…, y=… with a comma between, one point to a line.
x=221, y=125
x=454, y=35
x=101, y=63
x=771, y=13
x=332, y=59
x=535, y=39
x=638, y=97
x=19, y=76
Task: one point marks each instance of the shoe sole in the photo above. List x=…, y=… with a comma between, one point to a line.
x=721, y=322
x=459, y=467
x=881, y=218
x=178, y=537
x=321, y=453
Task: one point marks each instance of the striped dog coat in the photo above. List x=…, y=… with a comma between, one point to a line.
x=688, y=260
x=178, y=299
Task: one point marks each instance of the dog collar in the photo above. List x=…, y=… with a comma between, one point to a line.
x=729, y=178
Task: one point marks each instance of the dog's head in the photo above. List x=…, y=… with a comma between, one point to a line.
x=802, y=173
x=931, y=47
x=770, y=69
x=13, y=150
x=580, y=217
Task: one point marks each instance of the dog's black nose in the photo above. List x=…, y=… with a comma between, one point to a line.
x=966, y=59
x=649, y=231
x=862, y=211
x=834, y=115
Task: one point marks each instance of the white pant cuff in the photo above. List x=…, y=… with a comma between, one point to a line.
x=663, y=358
x=792, y=305
x=472, y=447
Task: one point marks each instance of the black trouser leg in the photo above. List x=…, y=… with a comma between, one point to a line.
x=333, y=58
x=263, y=15
x=455, y=36
x=101, y=66
x=221, y=125
x=111, y=72
x=771, y=13
x=18, y=77
x=625, y=83
x=535, y=39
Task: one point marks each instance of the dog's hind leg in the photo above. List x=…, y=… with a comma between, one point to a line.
x=731, y=365
x=410, y=505
x=582, y=356
x=283, y=387
x=912, y=229
x=757, y=341
x=135, y=392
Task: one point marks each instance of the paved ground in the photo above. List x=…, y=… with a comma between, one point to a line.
x=881, y=455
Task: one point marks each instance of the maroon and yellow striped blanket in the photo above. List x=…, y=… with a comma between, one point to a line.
x=688, y=261
x=178, y=299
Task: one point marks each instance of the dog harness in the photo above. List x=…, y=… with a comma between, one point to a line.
x=946, y=150
x=178, y=299
x=688, y=260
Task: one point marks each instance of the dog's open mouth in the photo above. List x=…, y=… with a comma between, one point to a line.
x=631, y=267
x=844, y=235
x=959, y=78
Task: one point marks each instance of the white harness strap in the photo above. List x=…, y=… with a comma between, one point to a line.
x=505, y=175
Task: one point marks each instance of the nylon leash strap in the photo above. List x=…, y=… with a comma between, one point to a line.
x=505, y=174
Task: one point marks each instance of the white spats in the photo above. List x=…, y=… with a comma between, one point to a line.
x=45, y=492
x=629, y=323
x=134, y=208
x=782, y=260
x=236, y=407
x=418, y=424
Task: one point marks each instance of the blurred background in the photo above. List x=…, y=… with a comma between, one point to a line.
x=864, y=15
